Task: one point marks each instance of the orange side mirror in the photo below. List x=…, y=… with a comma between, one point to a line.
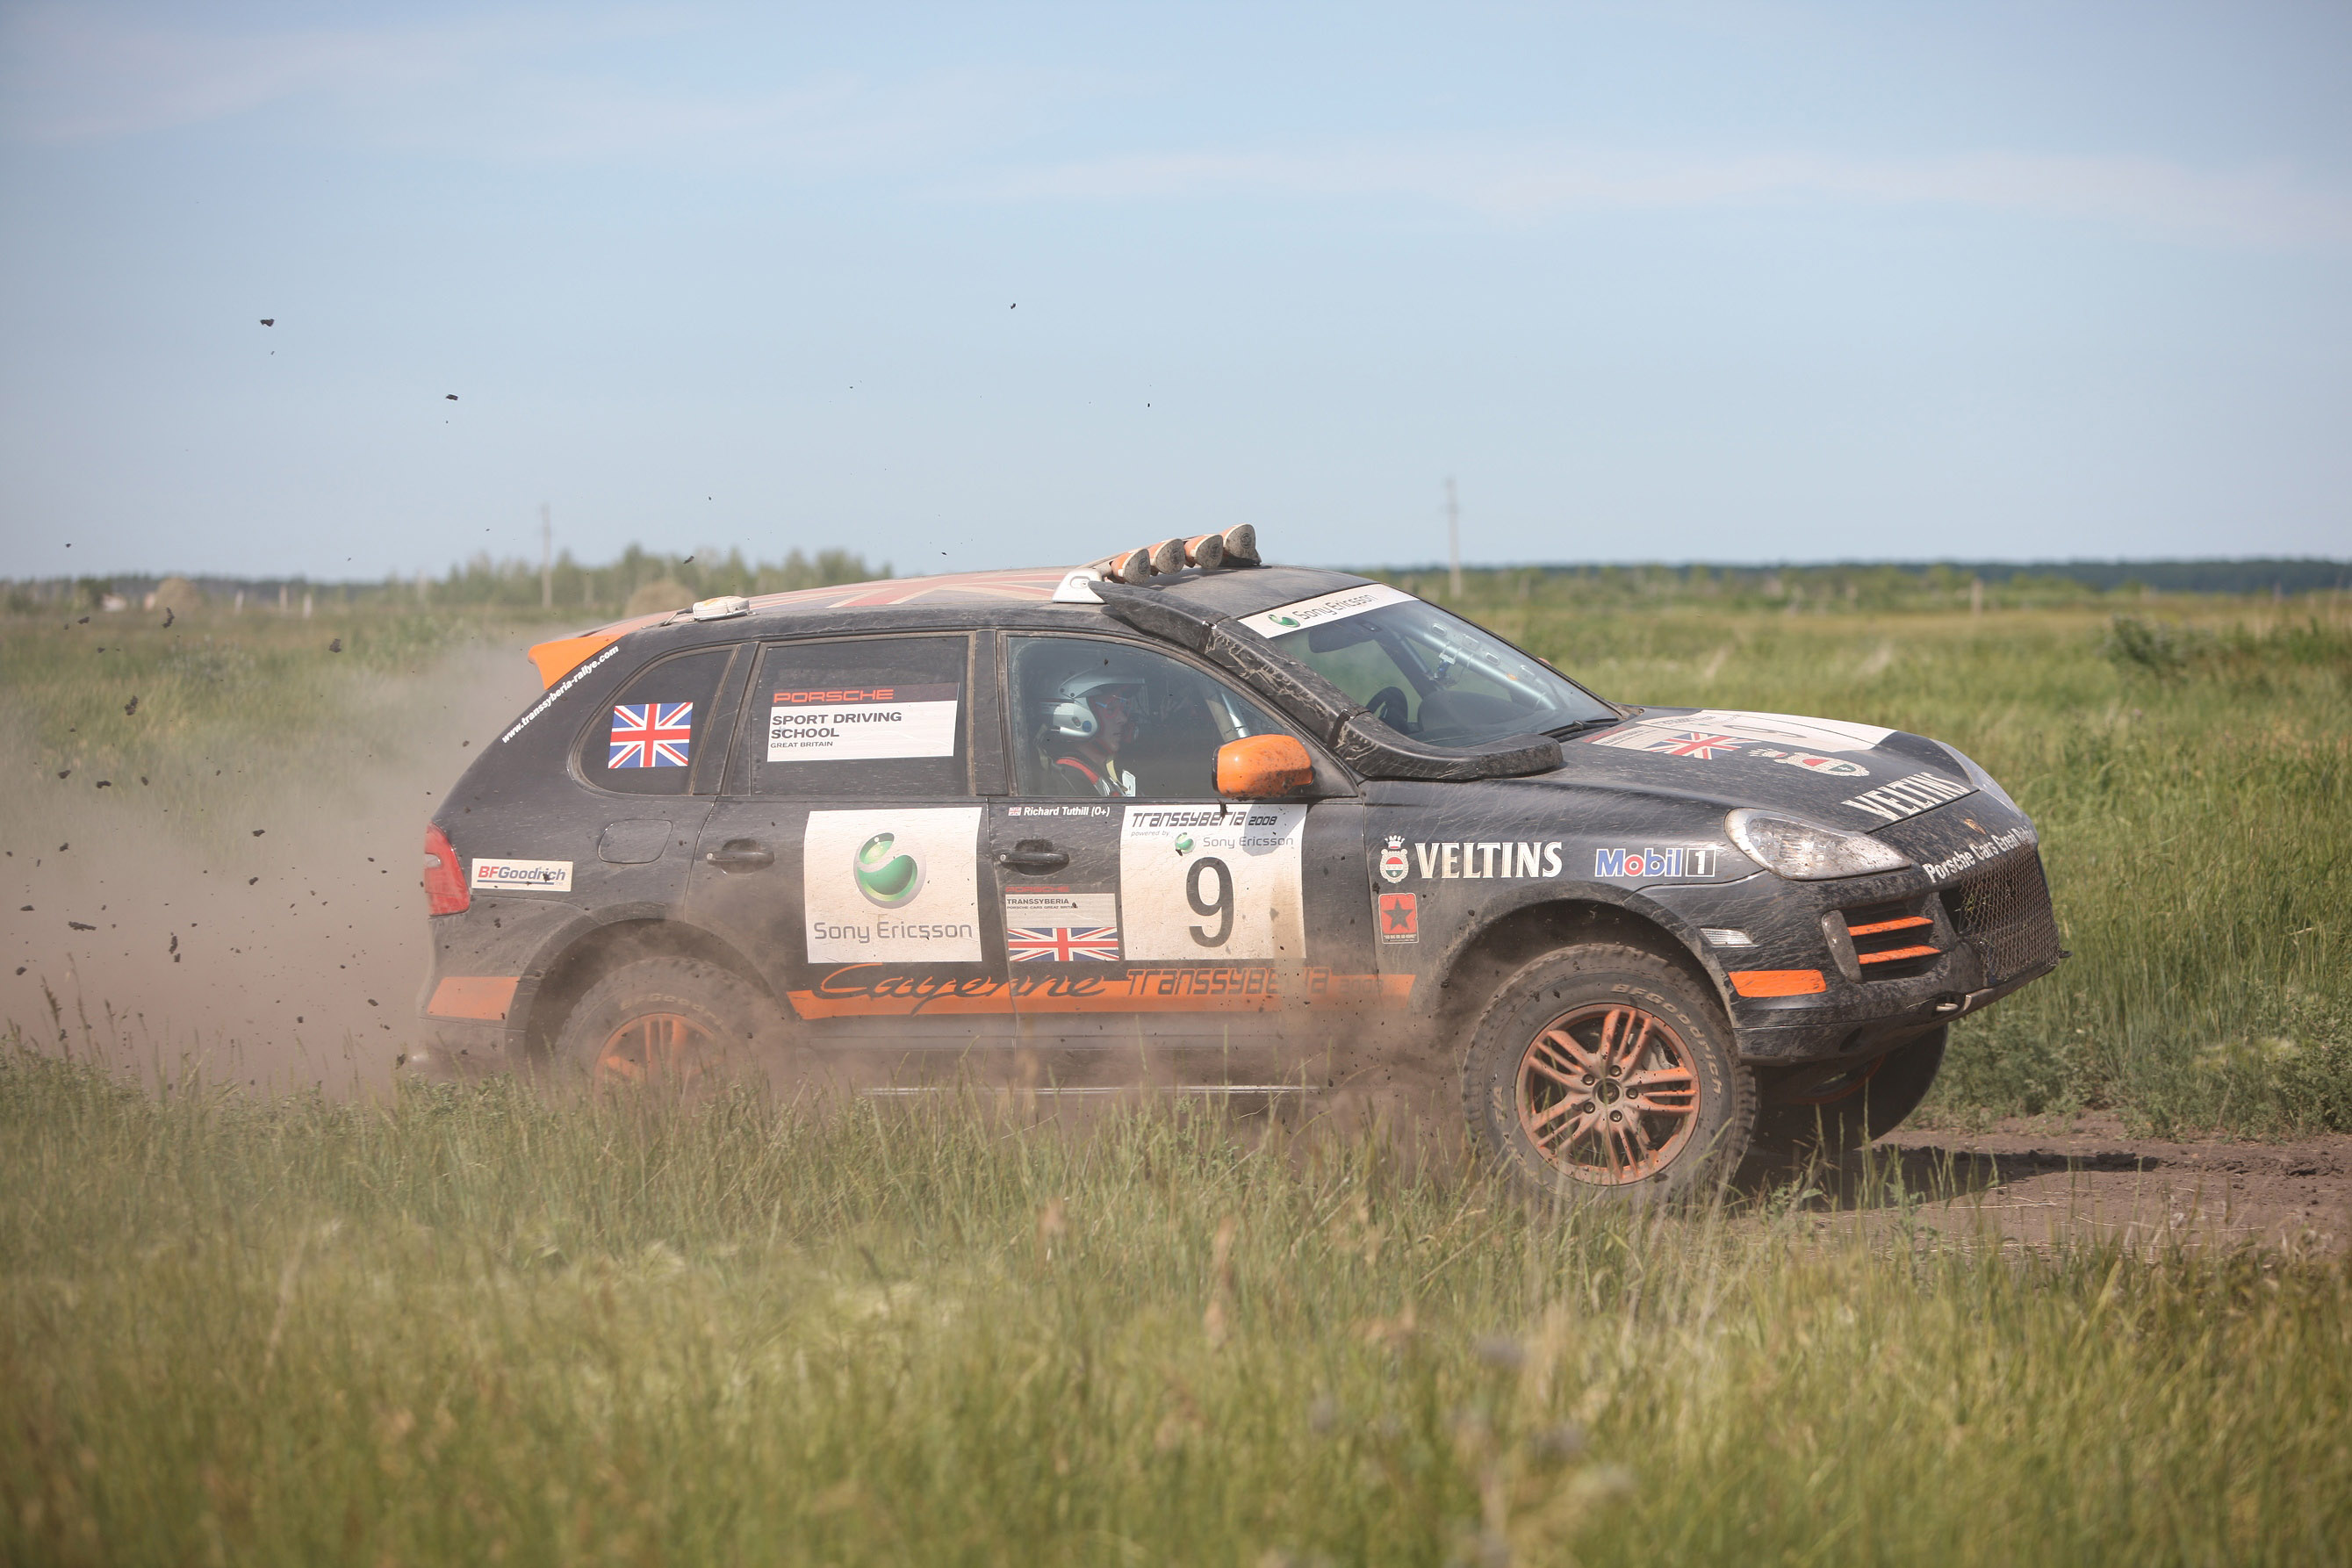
x=1263, y=767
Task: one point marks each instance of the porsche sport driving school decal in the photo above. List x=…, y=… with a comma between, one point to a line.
x=860, y=723
x=538, y=875
x=1213, y=882
x=1286, y=618
x=894, y=885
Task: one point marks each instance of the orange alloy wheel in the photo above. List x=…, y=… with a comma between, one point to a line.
x=667, y=1049
x=1608, y=1093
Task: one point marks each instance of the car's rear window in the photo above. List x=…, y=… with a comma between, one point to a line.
x=887, y=717
x=648, y=738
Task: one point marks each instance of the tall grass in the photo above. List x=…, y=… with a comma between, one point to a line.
x=473, y=1326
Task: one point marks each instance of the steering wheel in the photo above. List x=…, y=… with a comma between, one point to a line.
x=1388, y=705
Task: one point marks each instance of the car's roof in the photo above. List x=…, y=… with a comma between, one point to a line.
x=1020, y=595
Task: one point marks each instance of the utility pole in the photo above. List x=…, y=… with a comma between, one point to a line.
x=1453, y=540
x=546, y=559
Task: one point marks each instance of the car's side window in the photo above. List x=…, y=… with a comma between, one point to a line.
x=1093, y=718
x=648, y=738
x=884, y=717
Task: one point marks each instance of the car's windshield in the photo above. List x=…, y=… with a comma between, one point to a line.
x=1424, y=672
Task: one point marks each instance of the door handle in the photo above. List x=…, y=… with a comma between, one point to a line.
x=741, y=855
x=1032, y=855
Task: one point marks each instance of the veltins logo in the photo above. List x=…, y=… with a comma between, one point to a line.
x=889, y=877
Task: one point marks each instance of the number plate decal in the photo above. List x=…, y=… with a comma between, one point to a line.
x=1218, y=882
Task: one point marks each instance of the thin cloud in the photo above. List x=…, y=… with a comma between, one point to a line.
x=2263, y=206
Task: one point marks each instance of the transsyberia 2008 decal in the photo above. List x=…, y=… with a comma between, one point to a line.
x=861, y=724
x=1834, y=767
x=1052, y=925
x=1988, y=848
x=1338, y=607
x=1906, y=797
x=538, y=875
x=651, y=734
x=1725, y=732
x=1695, y=862
x=1213, y=882
x=893, y=886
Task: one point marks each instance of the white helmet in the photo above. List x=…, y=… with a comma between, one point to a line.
x=1068, y=710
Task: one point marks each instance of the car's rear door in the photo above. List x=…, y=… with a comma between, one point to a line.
x=844, y=857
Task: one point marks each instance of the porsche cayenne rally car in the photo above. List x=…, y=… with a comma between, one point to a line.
x=1219, y=809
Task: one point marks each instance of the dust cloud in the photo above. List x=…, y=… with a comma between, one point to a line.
x=289, y=957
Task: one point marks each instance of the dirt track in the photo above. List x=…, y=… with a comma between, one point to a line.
x=2032, y=1184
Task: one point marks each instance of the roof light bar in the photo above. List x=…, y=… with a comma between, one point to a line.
x=1237, y=546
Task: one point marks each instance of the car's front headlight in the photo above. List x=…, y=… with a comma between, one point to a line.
x=1808, y=851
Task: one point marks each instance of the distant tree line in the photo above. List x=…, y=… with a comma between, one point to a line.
x=1871, y=585
x=483, y=583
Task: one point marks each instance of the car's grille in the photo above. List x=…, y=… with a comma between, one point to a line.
x=2003, y=910
x=1891, y=941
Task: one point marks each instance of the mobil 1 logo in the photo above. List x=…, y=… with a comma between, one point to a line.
x=1213, y=882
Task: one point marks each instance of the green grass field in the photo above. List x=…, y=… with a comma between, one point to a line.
x=477, y=1326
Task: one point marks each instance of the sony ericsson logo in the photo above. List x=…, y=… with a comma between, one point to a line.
x=888, y=875
x=1282, y=620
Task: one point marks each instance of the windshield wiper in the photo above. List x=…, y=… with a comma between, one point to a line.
x=1565, y=731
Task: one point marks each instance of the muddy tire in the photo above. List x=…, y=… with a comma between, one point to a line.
x=1605, y=1073
x=675, y=1025
x=1829, y=1116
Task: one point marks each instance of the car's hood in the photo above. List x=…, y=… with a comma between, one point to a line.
x=1857, y=776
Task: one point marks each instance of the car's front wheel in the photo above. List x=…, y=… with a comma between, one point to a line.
x=1605, y=1071
x=676, y=1026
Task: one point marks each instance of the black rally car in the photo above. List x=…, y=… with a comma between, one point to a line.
x=1221, y=809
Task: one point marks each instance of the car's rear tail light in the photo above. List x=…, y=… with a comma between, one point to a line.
x=445, y=880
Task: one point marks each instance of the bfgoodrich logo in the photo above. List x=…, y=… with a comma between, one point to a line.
x=888, y=875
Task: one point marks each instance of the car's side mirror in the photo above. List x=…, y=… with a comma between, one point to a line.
x=1264, y=767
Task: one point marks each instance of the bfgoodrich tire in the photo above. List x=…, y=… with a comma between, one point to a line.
x=677, y=1025
x=1829, y=1116
x=1605, y=1072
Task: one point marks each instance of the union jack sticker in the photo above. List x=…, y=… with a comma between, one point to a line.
x=1061, y=945
x=651, y=734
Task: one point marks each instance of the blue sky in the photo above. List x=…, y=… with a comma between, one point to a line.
x=971, y=284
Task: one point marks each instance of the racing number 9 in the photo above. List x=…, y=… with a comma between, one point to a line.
x=1221, y=906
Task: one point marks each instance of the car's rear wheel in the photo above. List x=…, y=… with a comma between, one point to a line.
x=669, y=1025
x=1606, y=1072
x=1800, y=1118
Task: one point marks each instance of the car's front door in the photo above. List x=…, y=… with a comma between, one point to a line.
x=1138, y=906
x=844, y=857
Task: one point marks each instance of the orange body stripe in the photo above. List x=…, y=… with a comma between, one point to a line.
x=1128, y=991
x=1874, y=927
x=486, y=996
x=1778, y=981
x=1892, y=953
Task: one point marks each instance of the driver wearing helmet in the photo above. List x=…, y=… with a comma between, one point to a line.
x=1087, y=717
